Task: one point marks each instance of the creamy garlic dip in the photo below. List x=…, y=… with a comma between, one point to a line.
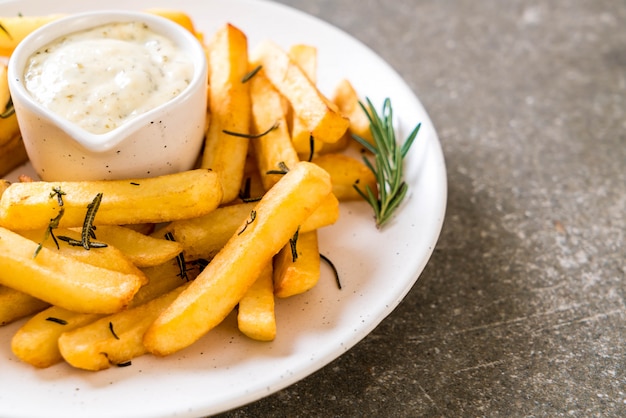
x=102, y=77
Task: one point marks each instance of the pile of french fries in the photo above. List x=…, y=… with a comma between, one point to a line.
x=111, y=270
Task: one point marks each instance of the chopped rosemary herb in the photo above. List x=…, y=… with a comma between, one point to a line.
x=76, y=243
x=3, y=29
x=132, y=183
x=9, y=110
x=388, y=162
x=54, y=222
x=248, y=221
x=56, y=191
x=282, y=169
x=251, y=74
x=113, y=331
x=311, y=148
x=200, y=263
x=333, y=268
x=252, y=136
x=293, y=241
x=88, y=227
x=244, y=194
x=123, y=364
x=180, y=259
x=57, y=320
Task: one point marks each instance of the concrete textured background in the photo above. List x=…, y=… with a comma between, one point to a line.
x=521, y=310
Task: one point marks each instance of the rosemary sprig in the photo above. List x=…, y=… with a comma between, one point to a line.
x=252, y=136
x=388, y=165
x=251, y=74
x=88, y=226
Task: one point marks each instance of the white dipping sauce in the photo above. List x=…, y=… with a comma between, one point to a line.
x=102, y=77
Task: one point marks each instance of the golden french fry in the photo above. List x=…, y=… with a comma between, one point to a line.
x=229, y=109
x=182, y=195
x=347, y=100
x=109, y=257
x=5, y=94
x=275, y=147
x=15, y=305
x=61, y=280
x=142, y=250
x=114, y=339
x=204, y=236
x=222, y=284
x=256, y=317
x=345, y=172
x=319, y=116
x=12, y=151
x=295, y=276
x=36, y=342
x=16, y=28
x=305, y=56
x=177, y=16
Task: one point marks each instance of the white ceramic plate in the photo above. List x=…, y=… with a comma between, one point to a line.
x=225, y=370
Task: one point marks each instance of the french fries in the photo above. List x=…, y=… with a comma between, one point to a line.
x=229, y=109
x=347, y=100
x=320, y=117
x=36, y=342
x=109, y=257
x=16, y=28
x=222, y=284
x=346, y=172
x=180, y=252
x=15, y=305
x=141, y=250
x=297, y=269
x=114, y=339
x=275, y=147
x=12, y=151
x=151, y=200
x=63, y=281
x=256, y=317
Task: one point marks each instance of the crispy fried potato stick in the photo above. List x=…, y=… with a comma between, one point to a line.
x=182, y=195
x=222, y=284
x=305, y=56
x=275, y=147
x=295, y=276
x=347, y=100
x=345, y=172
x=229, y=109
x=142, y=250
x=114, y=339
x=204, y=236
x=36, y=342
x=16, y=28
x=15, y=305
x=256, y=317
x=61, y=280
x=320, y=117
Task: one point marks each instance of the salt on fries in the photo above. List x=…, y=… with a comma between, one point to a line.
x=101, y=287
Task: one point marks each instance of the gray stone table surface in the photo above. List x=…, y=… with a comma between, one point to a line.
x=521, y=309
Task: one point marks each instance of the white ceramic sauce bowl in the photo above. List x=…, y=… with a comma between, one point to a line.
x=164, y=140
